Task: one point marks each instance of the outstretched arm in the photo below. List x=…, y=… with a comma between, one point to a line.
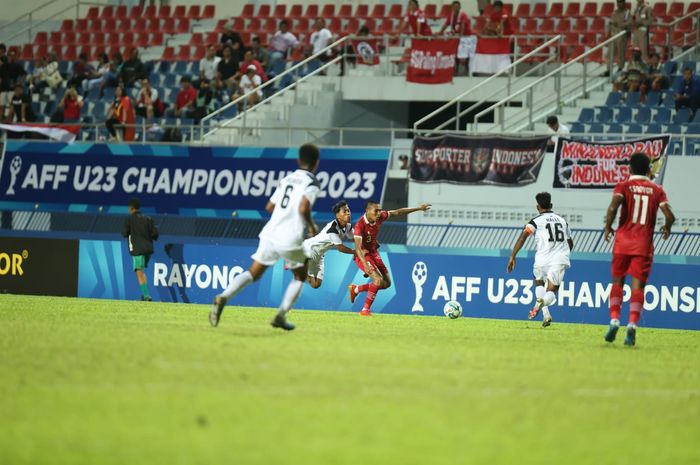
x=344, y=249
x=670, y=219
x=359, y=252
x=406, y=211
x=516, y=248
x=610, y=216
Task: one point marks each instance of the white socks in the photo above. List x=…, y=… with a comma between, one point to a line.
x=548, y=298
x=290, y=296
x=237, y=284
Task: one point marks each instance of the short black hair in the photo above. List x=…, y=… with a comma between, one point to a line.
x=285, y=22
x=3, y=47
x=544, y=200
x=687, y=69
x=256, y=39
x=498, y=3
x=309, y=155
x=135, y=203
x=185, y=79
x=83, y=56
x=640, y=163
x=416, y=2
x=456, y=2
x=363, y=30
x=552, y=120
x=370, y=202
x=339, y=206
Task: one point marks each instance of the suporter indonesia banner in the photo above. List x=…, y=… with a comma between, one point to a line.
x=422, y=283
x=507, y=161
x=601, y=165
x=176, y=178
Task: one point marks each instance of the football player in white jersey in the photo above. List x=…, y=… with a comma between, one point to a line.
x=282, y=237
x=332, y=235
x=554, y=244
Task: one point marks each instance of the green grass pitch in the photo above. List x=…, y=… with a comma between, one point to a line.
x=107, y=382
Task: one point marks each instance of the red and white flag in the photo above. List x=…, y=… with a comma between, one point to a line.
x=63, y=133
x=432, y=61
x=366, y=51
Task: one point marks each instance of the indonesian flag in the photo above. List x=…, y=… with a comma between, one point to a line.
x=366, y=51
x=62, y=133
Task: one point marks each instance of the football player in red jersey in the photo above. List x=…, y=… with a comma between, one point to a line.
x=633, y=250
x=366, y=254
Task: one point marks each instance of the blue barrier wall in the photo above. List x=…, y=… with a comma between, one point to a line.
x=195, y=273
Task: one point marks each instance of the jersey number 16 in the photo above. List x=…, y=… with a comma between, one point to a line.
x=556, y=233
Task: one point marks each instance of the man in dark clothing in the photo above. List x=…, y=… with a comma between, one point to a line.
x=688, y=91
x=20, y=106
x=132, y=69
x=11, y=73
x=140, y=233
x=231, y=37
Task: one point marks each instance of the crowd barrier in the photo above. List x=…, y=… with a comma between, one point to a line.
x=424, y=279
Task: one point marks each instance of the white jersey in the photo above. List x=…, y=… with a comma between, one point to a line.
x=551, y=236
x=330, y=236
x=286, y=226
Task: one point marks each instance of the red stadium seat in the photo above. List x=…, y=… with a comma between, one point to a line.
x=573, y=9
x=606, y=9
x=572, y=38
x=168, y=54
x=530, y=26
x=693, y=6
x=197, y=39
x=153, y=25
x=590, y=9
x=184, y=53
x=270, y=26
x=183, y=26
x=89, y=52
x=371, y=24
x=136, y=12
x=168, y=25
x=110, y=24
x=556, y=10
x=66, y=25
x=245, y=37
x=107, y=12
x=540, y=10
x=81, y=25
x=150, y=11
x=312, y=11
x=120, y=12
x=302, y=25
x=69, y=38
x=523, y=10
x=195, y=12
x=264, y=11
x=56, y=38
x=41, y=38
x=143, y=40
x=85, y=38
x=598, y=25
x=164, y=11
x=546, y=26
x=596, y=56
x=180, y=11
x=396, y=11
x=328, y=11
x=296, y=11
x=280, y=11
x=253, y=25
x=69, y=54
x=430, y=11
x=212, y=38
x=335, y=25
x=209, y=11
x=98, y=38
x=581, y=24
x=198, y=53
x=362, y=11
x=659, y=37
x=589, y=38
x=676, y=10
x=659, y=10
x=41, y=50
x=113, y=39
x=139, y=25
x=685, y=25
x=564, y=26
x=95, y=25
x=124, y=25
x=248, y=10
x=27, y=53
x=352, y=26
x=378, y=11
x=386, y=26
x=93, y=12
x=345, y=11
x=157, y=39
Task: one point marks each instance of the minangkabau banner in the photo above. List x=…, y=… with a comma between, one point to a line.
x=601, y=165
x=190, y=180
x=432, y=61
x=507, y=161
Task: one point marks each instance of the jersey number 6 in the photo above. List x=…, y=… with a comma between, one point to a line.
x=285, y=199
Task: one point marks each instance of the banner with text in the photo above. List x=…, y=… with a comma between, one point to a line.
x=601, y=165
x=422, y=283
x=432, y=61
x=508, y=161
x=366, y=51
x=176, y=178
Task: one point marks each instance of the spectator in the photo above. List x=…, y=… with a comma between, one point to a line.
x=349, y=51
x=320, y=39
x=481, y=4
x=557, y=128
x=498, y=23
x=457, y=23
x=634, y=71
x=148, y=102
x=249, y=82
x=3, y=50
x=11, y=73
x=69, y=107
x=205, y=101
x=259, y=53
x=112, y=77
x=20, y=106
x=227, y=70
x=280, y=43
x=37, y=81
x=132, y=70
x=641, y=21
x=621, y=20
x=185, y=98
x=121, y=117
x=250, y=60
x=231, y=37
x=404, y=162
x=656, y=80
x=209, y=64
x=688, y=91
x=98, y=76
x=82, y=70
x=415, y=20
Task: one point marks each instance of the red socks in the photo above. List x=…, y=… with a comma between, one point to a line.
x=636, y=305
x=362, y=288
x=371, y=294
x=615, y=301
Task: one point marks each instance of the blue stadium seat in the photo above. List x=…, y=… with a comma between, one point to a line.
x=624, y=115
x=194, y=68
x=682, y=116
x=614, y=128
x=653, y=128
x=577, y=128
x=170, y=80
x=674, y=128
x=181, y=67
x=163, y=67
x=675, y=147
x=643, y=115
x=692, y=128
x=669, y=68
x=632, y=99
x=605, y=115
x=596, y=128
x=613, y=99
x=652, y=98
x=688, y=64
x=667, y=99
x=586, y=115
x=634, y=129
x=676, y=81
x=696, y=117
x=663, y=115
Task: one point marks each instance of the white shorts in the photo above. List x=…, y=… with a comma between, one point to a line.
x=316, y=268
x=554, y=274
x=268, y=254
x=6, y=98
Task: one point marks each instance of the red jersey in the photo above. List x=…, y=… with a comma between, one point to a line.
x=459, y=24
x=641, y=200
x=185, y=96
x=368, y=232
x=503, y=19
x=418, y=23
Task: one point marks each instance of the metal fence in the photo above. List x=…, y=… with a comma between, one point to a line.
x=423, y=235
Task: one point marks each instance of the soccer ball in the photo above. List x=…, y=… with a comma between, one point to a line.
x=452, y=309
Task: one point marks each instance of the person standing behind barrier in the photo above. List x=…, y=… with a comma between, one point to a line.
x=140, y=233
x=457, y=24
x=415, y=20
x=621, y=20
x=641, y=21
x=121, y=114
